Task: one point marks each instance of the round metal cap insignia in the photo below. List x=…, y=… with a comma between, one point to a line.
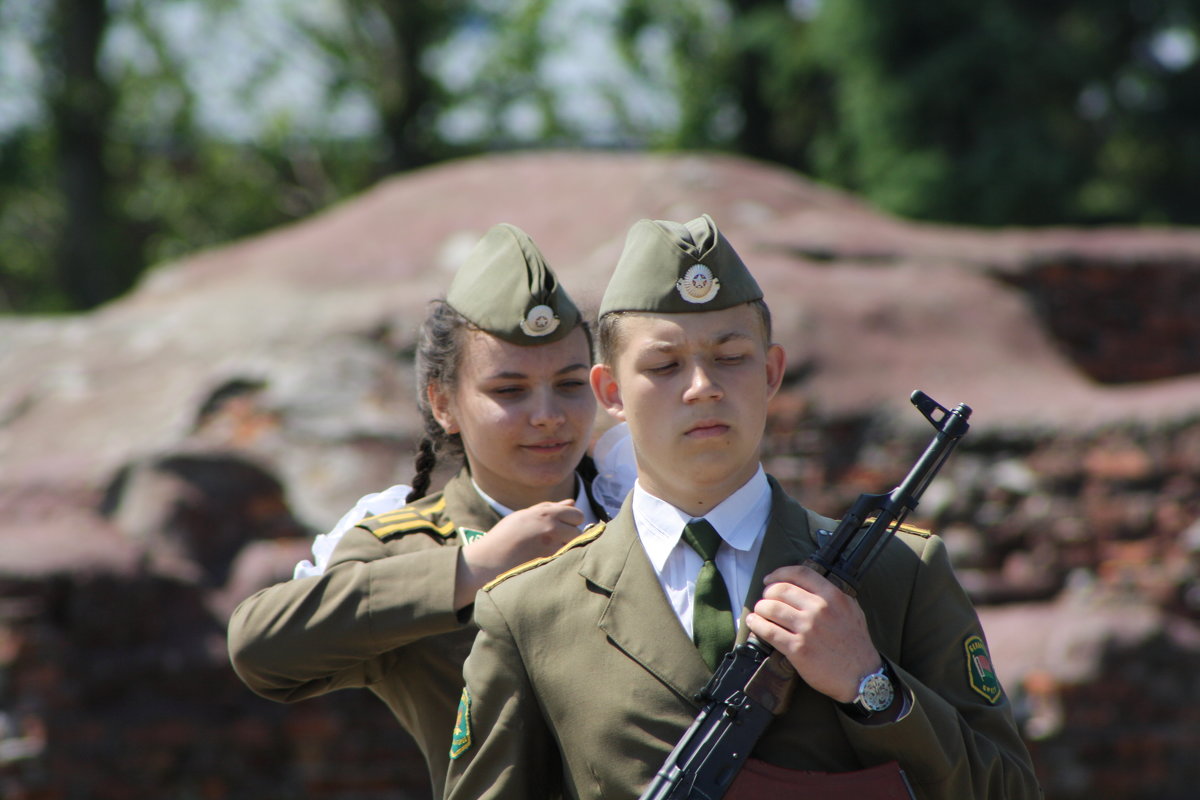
x=539, y=321
x=698, y=285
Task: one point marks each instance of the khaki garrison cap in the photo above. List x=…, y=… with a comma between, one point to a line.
x=506, y=288
x=673, y=267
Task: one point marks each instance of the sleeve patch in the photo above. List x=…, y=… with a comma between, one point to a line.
x=461, y=742
x=979, y=670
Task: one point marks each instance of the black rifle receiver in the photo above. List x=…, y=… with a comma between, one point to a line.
x=754, y=682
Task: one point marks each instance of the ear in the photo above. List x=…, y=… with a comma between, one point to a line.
x=776, y=366
x=608, y=393
x=441, y=407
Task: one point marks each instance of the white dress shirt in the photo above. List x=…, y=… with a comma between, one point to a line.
x=389, y=499
x=741, y=519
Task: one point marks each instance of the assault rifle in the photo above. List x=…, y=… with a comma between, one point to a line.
x=754, y=682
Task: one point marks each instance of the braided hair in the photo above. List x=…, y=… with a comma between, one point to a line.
x=439, y=353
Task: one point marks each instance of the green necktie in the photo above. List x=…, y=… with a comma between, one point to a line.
x=712, y=618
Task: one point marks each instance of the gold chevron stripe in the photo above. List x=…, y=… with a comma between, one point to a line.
x=412, y=524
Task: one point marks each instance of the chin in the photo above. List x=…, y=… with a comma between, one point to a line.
x=711, y=472
x=550, y=474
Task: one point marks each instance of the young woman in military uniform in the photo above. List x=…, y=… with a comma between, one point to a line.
x=503, y=383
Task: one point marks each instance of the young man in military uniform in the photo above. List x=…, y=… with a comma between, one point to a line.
x=587, y=666
x=504, y=374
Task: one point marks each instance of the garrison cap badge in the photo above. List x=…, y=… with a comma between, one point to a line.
x=461, y=741
x=979, y=669
x=540, y=321
x=673, y=267
x=506, y=288
x=698, y=285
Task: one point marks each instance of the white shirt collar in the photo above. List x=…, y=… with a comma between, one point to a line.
x=582, y=502
x=740, y=518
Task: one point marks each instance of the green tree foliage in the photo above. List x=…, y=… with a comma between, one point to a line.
x=117, y=168
x=381, y=47
x=985, y=112
x=988, y=112
x=954, y=111
x=31, y=214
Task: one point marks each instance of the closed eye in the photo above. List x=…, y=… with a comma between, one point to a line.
x=507, y=391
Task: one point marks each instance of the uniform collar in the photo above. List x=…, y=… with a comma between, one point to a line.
x=740, y=518
x=464, y=504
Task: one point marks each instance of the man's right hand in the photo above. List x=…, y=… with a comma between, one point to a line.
x=821, y=629
x=530, y=533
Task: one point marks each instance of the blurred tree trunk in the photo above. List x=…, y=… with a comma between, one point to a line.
x=89, y=268
x=748, y=71
x=409, y=98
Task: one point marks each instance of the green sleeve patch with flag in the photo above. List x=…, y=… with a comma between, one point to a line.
x=979, y=669
x=462, y=726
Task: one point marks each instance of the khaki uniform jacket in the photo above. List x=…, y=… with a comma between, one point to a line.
x=582, y=678
x=380, y=617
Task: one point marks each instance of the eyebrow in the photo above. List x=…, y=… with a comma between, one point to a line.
x=515, y=376
x=730, y=336
x=723, y=338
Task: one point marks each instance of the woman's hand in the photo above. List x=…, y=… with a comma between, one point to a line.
x=530, y=533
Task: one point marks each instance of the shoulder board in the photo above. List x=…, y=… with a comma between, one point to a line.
x=588, y=535
x=904, y=528
x=915, y=530
x=410, y=519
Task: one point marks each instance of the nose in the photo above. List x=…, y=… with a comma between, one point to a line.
x=547, y=410
x=702, y=386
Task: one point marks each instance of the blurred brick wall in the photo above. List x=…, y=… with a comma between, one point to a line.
x=114, y=689
x=117, y=685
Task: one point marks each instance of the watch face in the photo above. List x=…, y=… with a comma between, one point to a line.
x=876, y=692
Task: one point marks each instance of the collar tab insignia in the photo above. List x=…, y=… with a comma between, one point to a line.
x=470, y=534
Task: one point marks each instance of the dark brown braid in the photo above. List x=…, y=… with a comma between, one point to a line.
x=439, y=352
x=425, y=462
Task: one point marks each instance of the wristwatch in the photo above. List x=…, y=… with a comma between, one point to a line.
x=875, y=692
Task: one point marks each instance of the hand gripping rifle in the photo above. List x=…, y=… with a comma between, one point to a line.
x=754, y=682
